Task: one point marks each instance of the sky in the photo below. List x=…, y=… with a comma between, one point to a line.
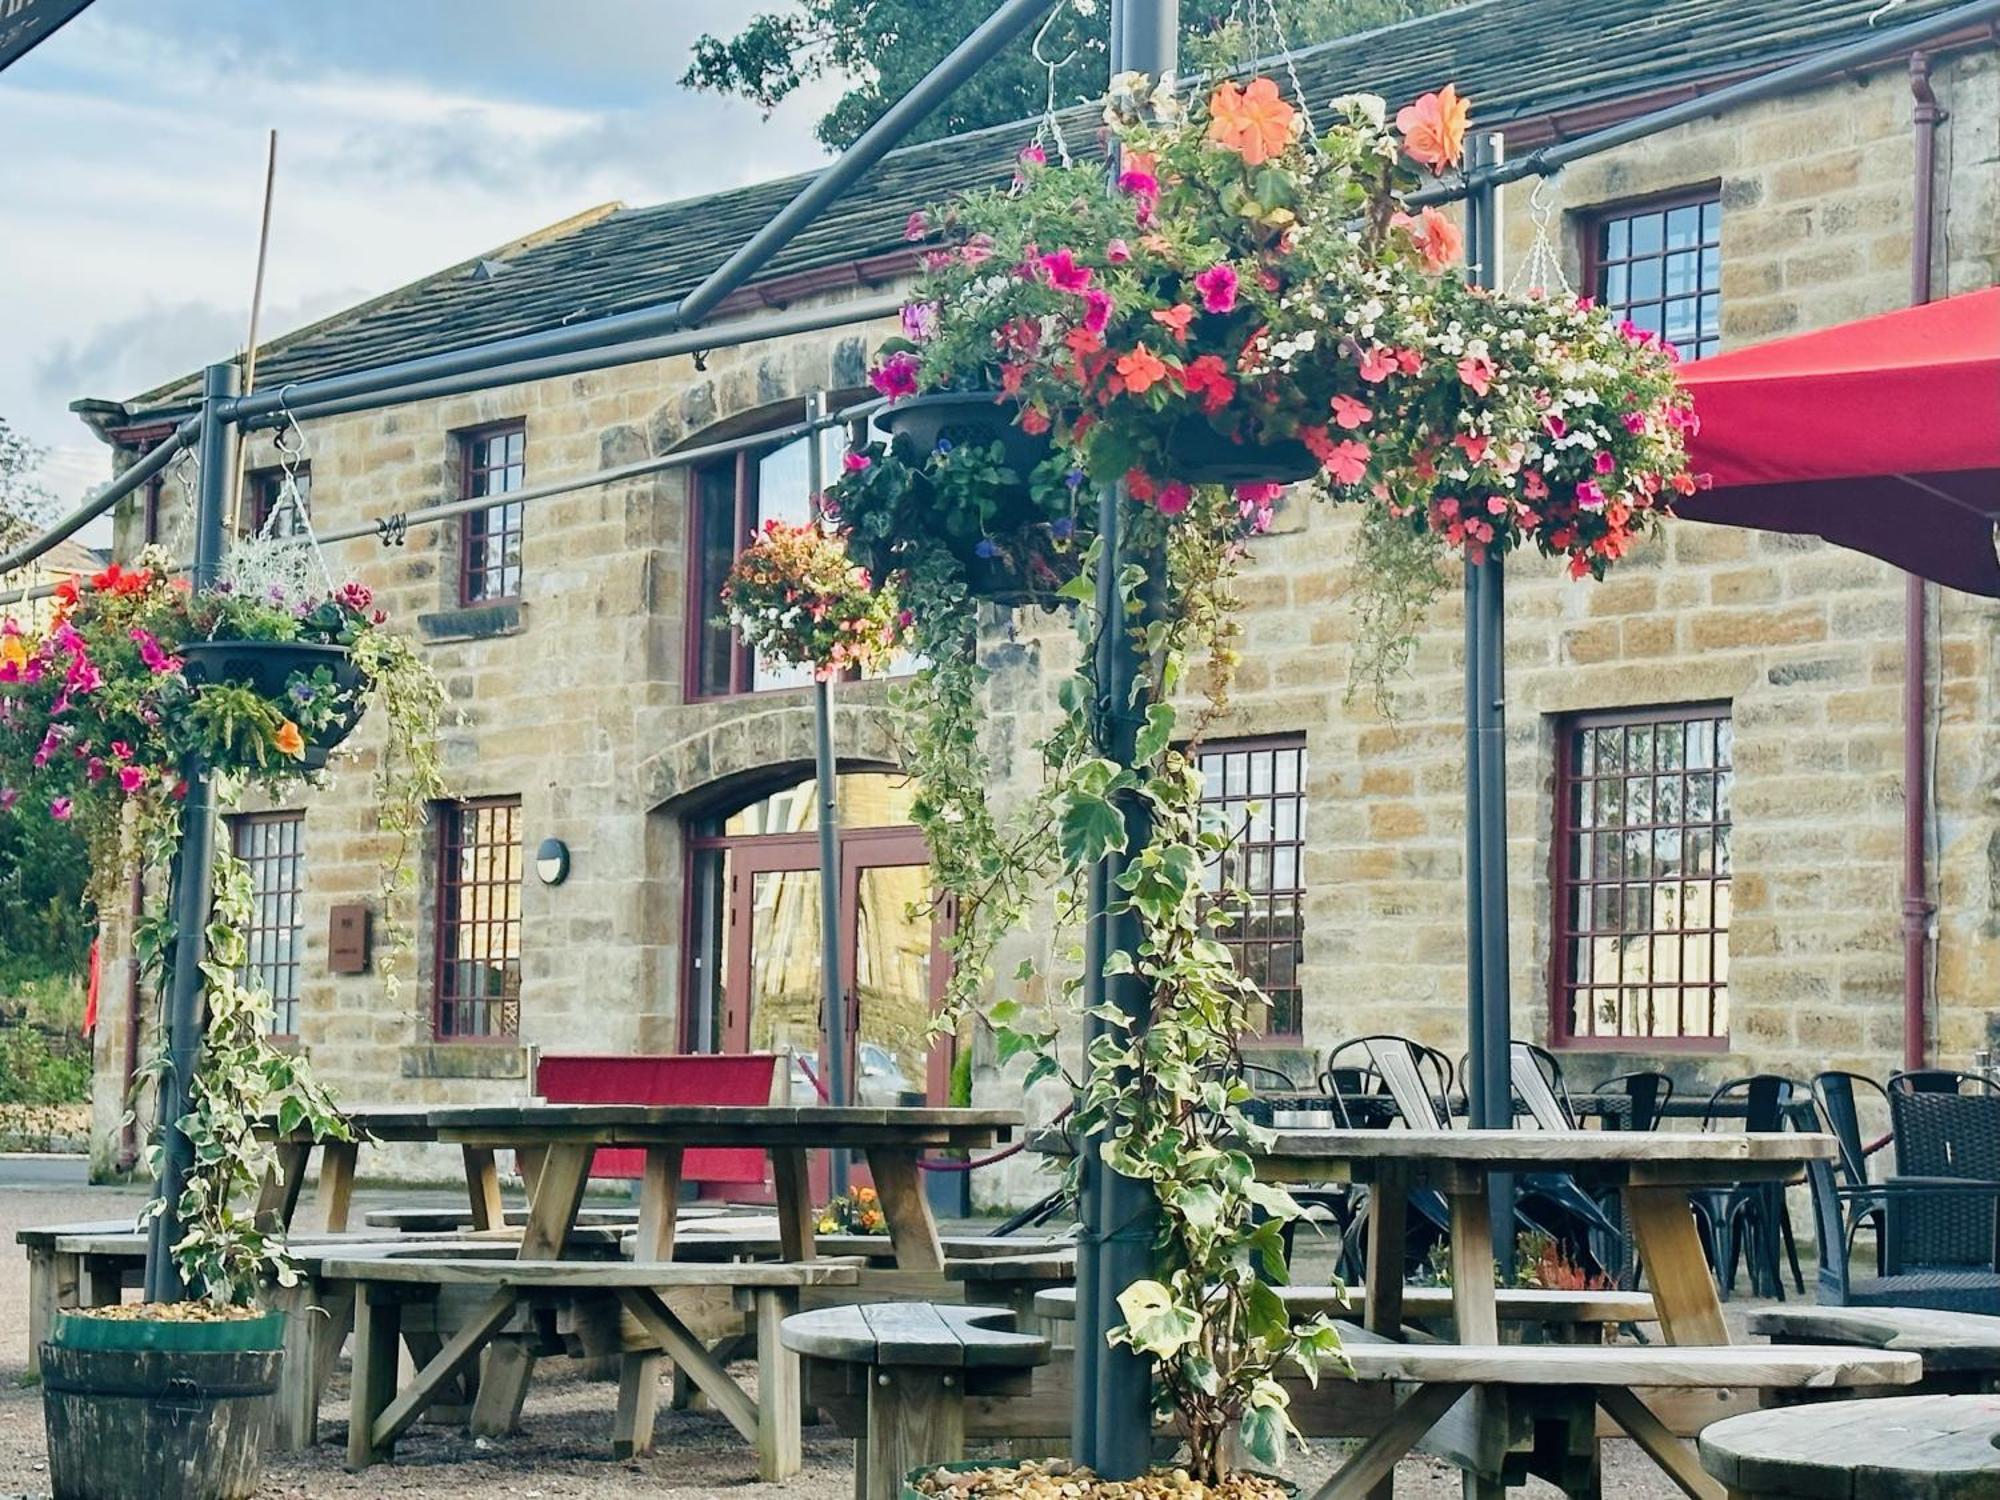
x=412, y=134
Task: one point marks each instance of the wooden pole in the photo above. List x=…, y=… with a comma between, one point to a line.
x=256, y=309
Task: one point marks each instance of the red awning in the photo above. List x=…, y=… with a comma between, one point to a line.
x=1881, y=435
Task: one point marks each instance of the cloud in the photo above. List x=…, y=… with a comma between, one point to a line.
x=412, y=136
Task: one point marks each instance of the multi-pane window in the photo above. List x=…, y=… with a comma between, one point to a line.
x=1660, y=265
x=479, y=919
x=264, y=490
x=731, y=499
x=492, y=461
x=269, y=845
x=1643, y=876
x=1257, y=790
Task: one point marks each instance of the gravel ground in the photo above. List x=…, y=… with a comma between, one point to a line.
x=562, y=1448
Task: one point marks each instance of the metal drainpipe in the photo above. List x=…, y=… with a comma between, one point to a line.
x=1918, y=911
x=128, y=1133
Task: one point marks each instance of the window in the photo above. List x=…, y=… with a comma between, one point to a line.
x=1258, y=789
x=730, y=500
x=268, y=843
x=1642, y=876
x=262, y=489
x=1660, y=265
x=479, y=919
x=492, y=461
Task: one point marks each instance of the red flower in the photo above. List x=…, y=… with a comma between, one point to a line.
x=1141, y=370
x=1175, y=320
x=1207, y=377
x=1348, y=461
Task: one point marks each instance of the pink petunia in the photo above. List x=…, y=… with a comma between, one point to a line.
x=60, y=809
x=1606, y=464
x=920, y=321
x=1217, y=286
x=1060, y=270
x=1096, y=309
x=1347, y=461
x=1589, y=495
x=977, y=250
x=1117, y=252
x=130, y=779
x=896, y=376
x=8, y=797
x=1350, y=414
x=856, y=463
x=1174, y=498
x=916, y=227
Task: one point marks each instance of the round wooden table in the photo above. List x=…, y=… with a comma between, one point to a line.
x=1894, y=1448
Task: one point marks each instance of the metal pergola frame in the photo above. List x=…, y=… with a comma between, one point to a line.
x=1113, y=1412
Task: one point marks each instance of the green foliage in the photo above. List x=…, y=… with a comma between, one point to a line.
x=881, y=48
x=224, y=1253
x=45, y=919
x=24, y=504
x=42, y=1067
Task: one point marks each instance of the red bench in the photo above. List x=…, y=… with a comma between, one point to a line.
x=676, y=1078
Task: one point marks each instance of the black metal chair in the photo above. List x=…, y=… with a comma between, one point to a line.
x=1750, y=1220
x=1862, y=1201
x=1939, y=1081
x=1647, y=1094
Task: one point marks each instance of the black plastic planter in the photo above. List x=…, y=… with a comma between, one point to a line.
x=960, y=417
x=269, y=667
x=1201, y=455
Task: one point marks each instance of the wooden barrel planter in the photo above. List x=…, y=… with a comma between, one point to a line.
x=159, y=1409
x=269, y=666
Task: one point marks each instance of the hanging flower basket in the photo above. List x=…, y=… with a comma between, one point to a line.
x=799, y=601
x=285, y=670
x=961, y=418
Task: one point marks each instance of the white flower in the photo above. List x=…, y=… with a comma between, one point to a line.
x=1371, y=108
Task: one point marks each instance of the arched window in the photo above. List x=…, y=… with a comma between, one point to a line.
x=753, y=977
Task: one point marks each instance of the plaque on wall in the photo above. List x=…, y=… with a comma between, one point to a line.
x=347, y=939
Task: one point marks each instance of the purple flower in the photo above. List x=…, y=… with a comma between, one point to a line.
x=1074, y=479
x=1217, y=286
x=1062, y=528
x=60, y=809
x=943, y=446
x=987, y=548
x=896, y=376
x=920, y=321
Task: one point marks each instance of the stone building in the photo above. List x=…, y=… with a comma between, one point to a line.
x=1755, y=921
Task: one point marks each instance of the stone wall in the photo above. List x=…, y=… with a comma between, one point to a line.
x=578, y=704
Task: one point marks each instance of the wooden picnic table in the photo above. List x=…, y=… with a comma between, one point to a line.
x=554, y=1145
x=1657, y=1171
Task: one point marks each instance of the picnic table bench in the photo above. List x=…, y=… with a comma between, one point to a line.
x=1960, y=1351
x=895, y=1377
x=1564, y=1385
x=1587, y=1317
x=1890, y=1448
x=386, y=1283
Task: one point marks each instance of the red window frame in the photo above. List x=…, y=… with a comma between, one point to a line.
x=151, y=509
x=478, y=916
x=1666, y=893
x=1609, y=263
x=480, y=579
x=1269, y=831
x=272, y=845
x=264, y=486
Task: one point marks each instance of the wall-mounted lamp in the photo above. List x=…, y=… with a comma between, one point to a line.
x=552, y=862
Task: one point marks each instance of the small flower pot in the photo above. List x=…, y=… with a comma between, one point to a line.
x=269, y=666
x=1201, y=455
x=159, y=1408
x=960, y=417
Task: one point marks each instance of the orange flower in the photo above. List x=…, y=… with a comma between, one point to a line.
x=289, y=741
x=1434, y=128
x=13, y=651
x=1255, y=122
x=1141, y=369
x=1437, y=239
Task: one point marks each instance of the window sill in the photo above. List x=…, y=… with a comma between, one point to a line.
x=474, y=622
x=499, y=1058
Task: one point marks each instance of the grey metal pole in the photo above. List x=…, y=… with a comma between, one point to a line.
x=1490, y=1028
x=1114, y=1397
x=833, y=992
x=156, y=459
x=1008, y=21
x=193, y=868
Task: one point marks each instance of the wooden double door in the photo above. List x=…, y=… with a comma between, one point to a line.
x=891, y=962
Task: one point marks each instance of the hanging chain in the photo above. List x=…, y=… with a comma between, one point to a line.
x=187, y=475
x=1253, y=16
x=1541, y=272
x=1049, y=127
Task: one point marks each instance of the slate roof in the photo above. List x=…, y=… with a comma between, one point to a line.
x=1514, y=58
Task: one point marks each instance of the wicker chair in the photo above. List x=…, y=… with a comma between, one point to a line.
x=1947, y=1288
x=1942, y=1139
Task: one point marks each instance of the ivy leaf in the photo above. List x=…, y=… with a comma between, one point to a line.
x=1045, y=1066
x=1155, y=735
x=1263, y=1434
x=1090, y=828
x=1154, y=1323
